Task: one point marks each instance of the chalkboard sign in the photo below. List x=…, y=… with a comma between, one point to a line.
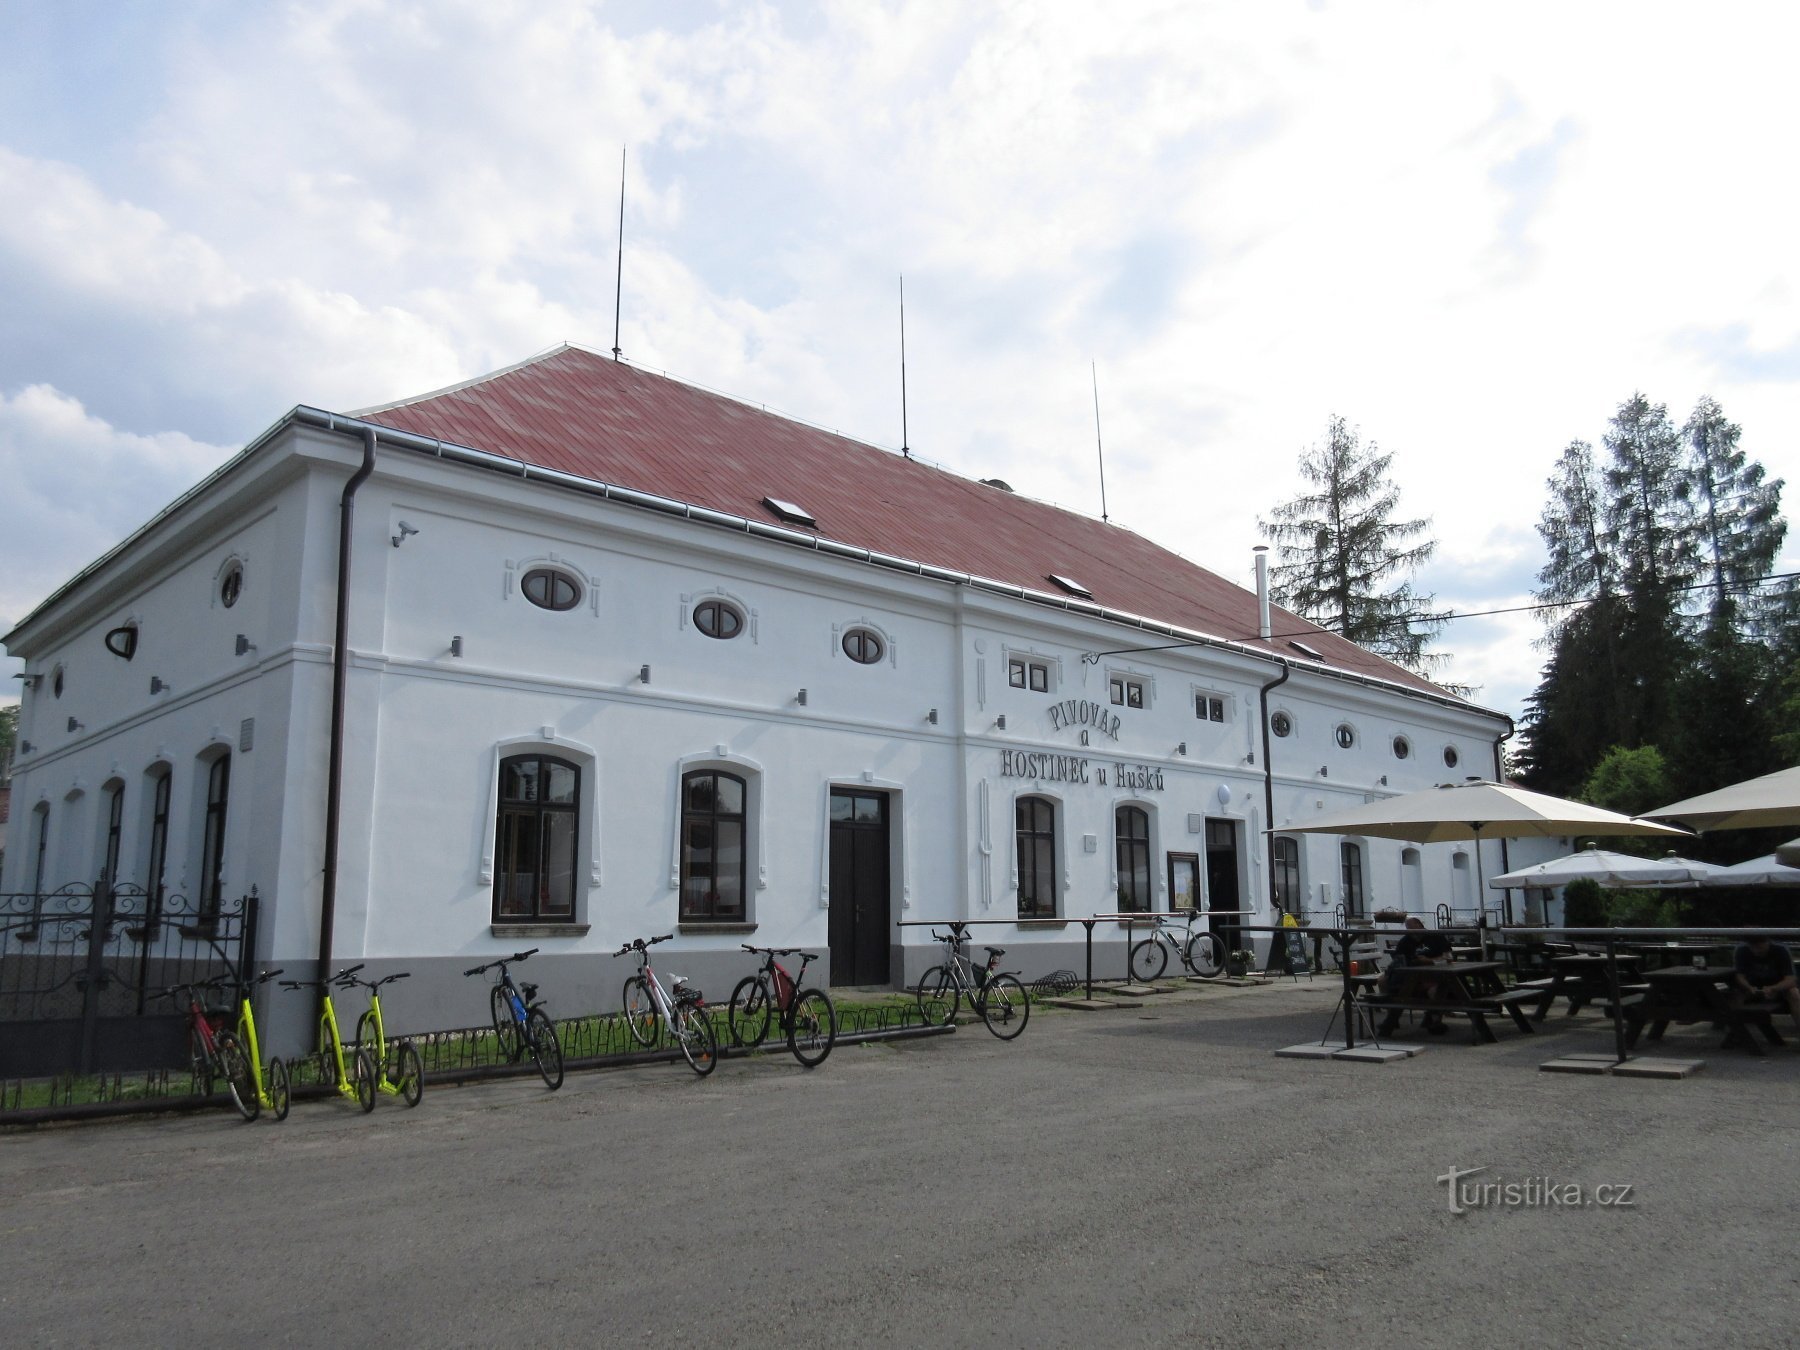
x=1295, y=952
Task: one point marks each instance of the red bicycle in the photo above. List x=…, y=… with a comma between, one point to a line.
x=807, y=1016
x=214, y=1050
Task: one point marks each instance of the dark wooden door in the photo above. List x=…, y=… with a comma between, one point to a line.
x=860, y=922
x=1222, y=893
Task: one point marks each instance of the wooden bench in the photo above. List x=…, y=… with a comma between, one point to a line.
x=1477, y=1013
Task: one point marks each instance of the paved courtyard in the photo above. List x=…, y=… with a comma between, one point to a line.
x=1151, y=1175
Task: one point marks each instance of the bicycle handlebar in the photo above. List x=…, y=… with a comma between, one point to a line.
x=773, y=951
x=502, y=962
x=642, y=944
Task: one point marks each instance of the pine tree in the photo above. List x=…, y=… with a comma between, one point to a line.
x=1343, y=559
x=1738, y=516
x=1583, y=563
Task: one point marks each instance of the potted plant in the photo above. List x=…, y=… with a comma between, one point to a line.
x=1238, y=962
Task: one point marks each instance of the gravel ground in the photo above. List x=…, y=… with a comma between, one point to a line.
x=1128, y=1177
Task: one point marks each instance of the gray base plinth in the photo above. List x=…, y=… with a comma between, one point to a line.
x=1659, y=1068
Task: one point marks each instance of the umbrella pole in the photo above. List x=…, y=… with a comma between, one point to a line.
x=1480, y=896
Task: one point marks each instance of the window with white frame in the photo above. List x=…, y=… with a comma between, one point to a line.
x=1131, y=847
x=714, y=847
x=1034, y=830
x=537, y=826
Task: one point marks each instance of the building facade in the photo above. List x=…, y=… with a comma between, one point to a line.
x=620, y=657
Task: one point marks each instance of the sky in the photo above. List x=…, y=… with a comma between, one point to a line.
x=1471, y=232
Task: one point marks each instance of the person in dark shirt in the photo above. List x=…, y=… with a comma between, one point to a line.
x=1765, y=974
x=1416, y=952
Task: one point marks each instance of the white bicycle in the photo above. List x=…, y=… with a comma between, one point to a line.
x=1201, y=952
x=649, y=1008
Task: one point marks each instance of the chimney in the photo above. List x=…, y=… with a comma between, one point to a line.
x=1262, y=592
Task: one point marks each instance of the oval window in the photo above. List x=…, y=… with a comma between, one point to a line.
x=549, y=588
x=1346, y=736
x=56, y=682
x=718, y=619
x=231, y=585
x=1281, y=724
x=863, y=647
x=1402, y=747
x=1451, y=758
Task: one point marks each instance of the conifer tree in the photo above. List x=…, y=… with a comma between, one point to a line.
x=1344, y=561
x=1738, y=517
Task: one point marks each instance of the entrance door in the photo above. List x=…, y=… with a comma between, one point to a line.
x=1222, y=891
x=1184, y=881
x=861, y=927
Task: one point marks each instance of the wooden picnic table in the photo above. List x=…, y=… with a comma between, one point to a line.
x=1690, y=994
x=1581, y=978
x=1703, y=954
x=1471, y=989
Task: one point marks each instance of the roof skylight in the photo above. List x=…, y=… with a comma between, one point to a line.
x=1305, y=650
x=790, y=514
x=1072, y=587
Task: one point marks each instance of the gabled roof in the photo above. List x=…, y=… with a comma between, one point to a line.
x=580, y=413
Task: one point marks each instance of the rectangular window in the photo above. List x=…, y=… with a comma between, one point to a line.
x=115, y=815
x=714, y=858
x=536, y=836
x=1131, y=844
x=1035, y=834
x=1127, y=692
x=159, y=850
x=212, y=849
x=1209, y=707
x=1032, y=675
x=1287, y=874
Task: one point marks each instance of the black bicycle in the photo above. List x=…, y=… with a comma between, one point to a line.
x=808, y=1019
x=520, y=1023
x=996, y=996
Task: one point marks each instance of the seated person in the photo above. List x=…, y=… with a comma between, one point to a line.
x=1420, y=949
x=1765, y=974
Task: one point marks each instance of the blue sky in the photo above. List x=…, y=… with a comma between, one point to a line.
x=1470, y=236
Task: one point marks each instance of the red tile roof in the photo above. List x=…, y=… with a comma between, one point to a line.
x=580, y=413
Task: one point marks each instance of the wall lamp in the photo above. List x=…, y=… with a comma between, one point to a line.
x=25, y=747
x=1250, y=758
x=800, y=698
x=643, y=674
x=456, y=645
x=1000, y=722
x=77, y=726
x=158, y=685
x=243, y=645
x=1383, y=780
x=31, y=681
x=1181, y=749
x=405, y=530
x=931, y=717
x=1324, y=771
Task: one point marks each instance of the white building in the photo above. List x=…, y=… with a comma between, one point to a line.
x=624, y=657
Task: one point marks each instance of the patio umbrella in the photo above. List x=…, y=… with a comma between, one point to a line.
x=1773, y=799
x=1602, y=866
x=1767, y=870
x=1475, y=810
x=1788, y=854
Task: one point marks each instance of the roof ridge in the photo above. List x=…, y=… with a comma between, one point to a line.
x=544, y=355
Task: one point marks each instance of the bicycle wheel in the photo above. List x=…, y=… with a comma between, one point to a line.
x=640, y=1010
x=812, y=1027
x=411, y=1076
x=749, y=1011
x=1004, y=1006
x=938, y=996
x=362, y=1078
x=281, y=1093
x=365, y=1036
x=506, y=1029
x=324, y=1060
x=694, y=1030
x=1205, y=956
x=1148, y=960
x=200, y=1063
x=546, y=1049
x=240, y=1078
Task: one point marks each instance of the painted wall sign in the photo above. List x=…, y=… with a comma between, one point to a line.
x=1052, y=768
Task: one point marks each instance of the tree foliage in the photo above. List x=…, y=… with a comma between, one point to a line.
x=1344, y=561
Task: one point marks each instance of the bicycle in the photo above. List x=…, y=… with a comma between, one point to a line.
x=214, y=1052
x=997, y=997
x=273, y=1091
x=681, y=1009
x=350, y=1073
x=399, y=1072
x=807, y=1017
x=520, y=1022
x=1201, y=952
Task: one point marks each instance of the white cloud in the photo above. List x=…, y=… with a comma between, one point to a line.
x=1472, y=238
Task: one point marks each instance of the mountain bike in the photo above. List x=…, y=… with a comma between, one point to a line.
x=807, y=1017
x=214, y=1052
x=681, y=1009
x=1201, y=952
x=996, y=996
x=272, y=1089
x=399, y=1072
x=520, y=1022
x=349, y=1071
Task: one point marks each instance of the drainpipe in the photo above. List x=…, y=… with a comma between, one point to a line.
x=1263, y=631
x=1505, y=859
x=340, y=678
